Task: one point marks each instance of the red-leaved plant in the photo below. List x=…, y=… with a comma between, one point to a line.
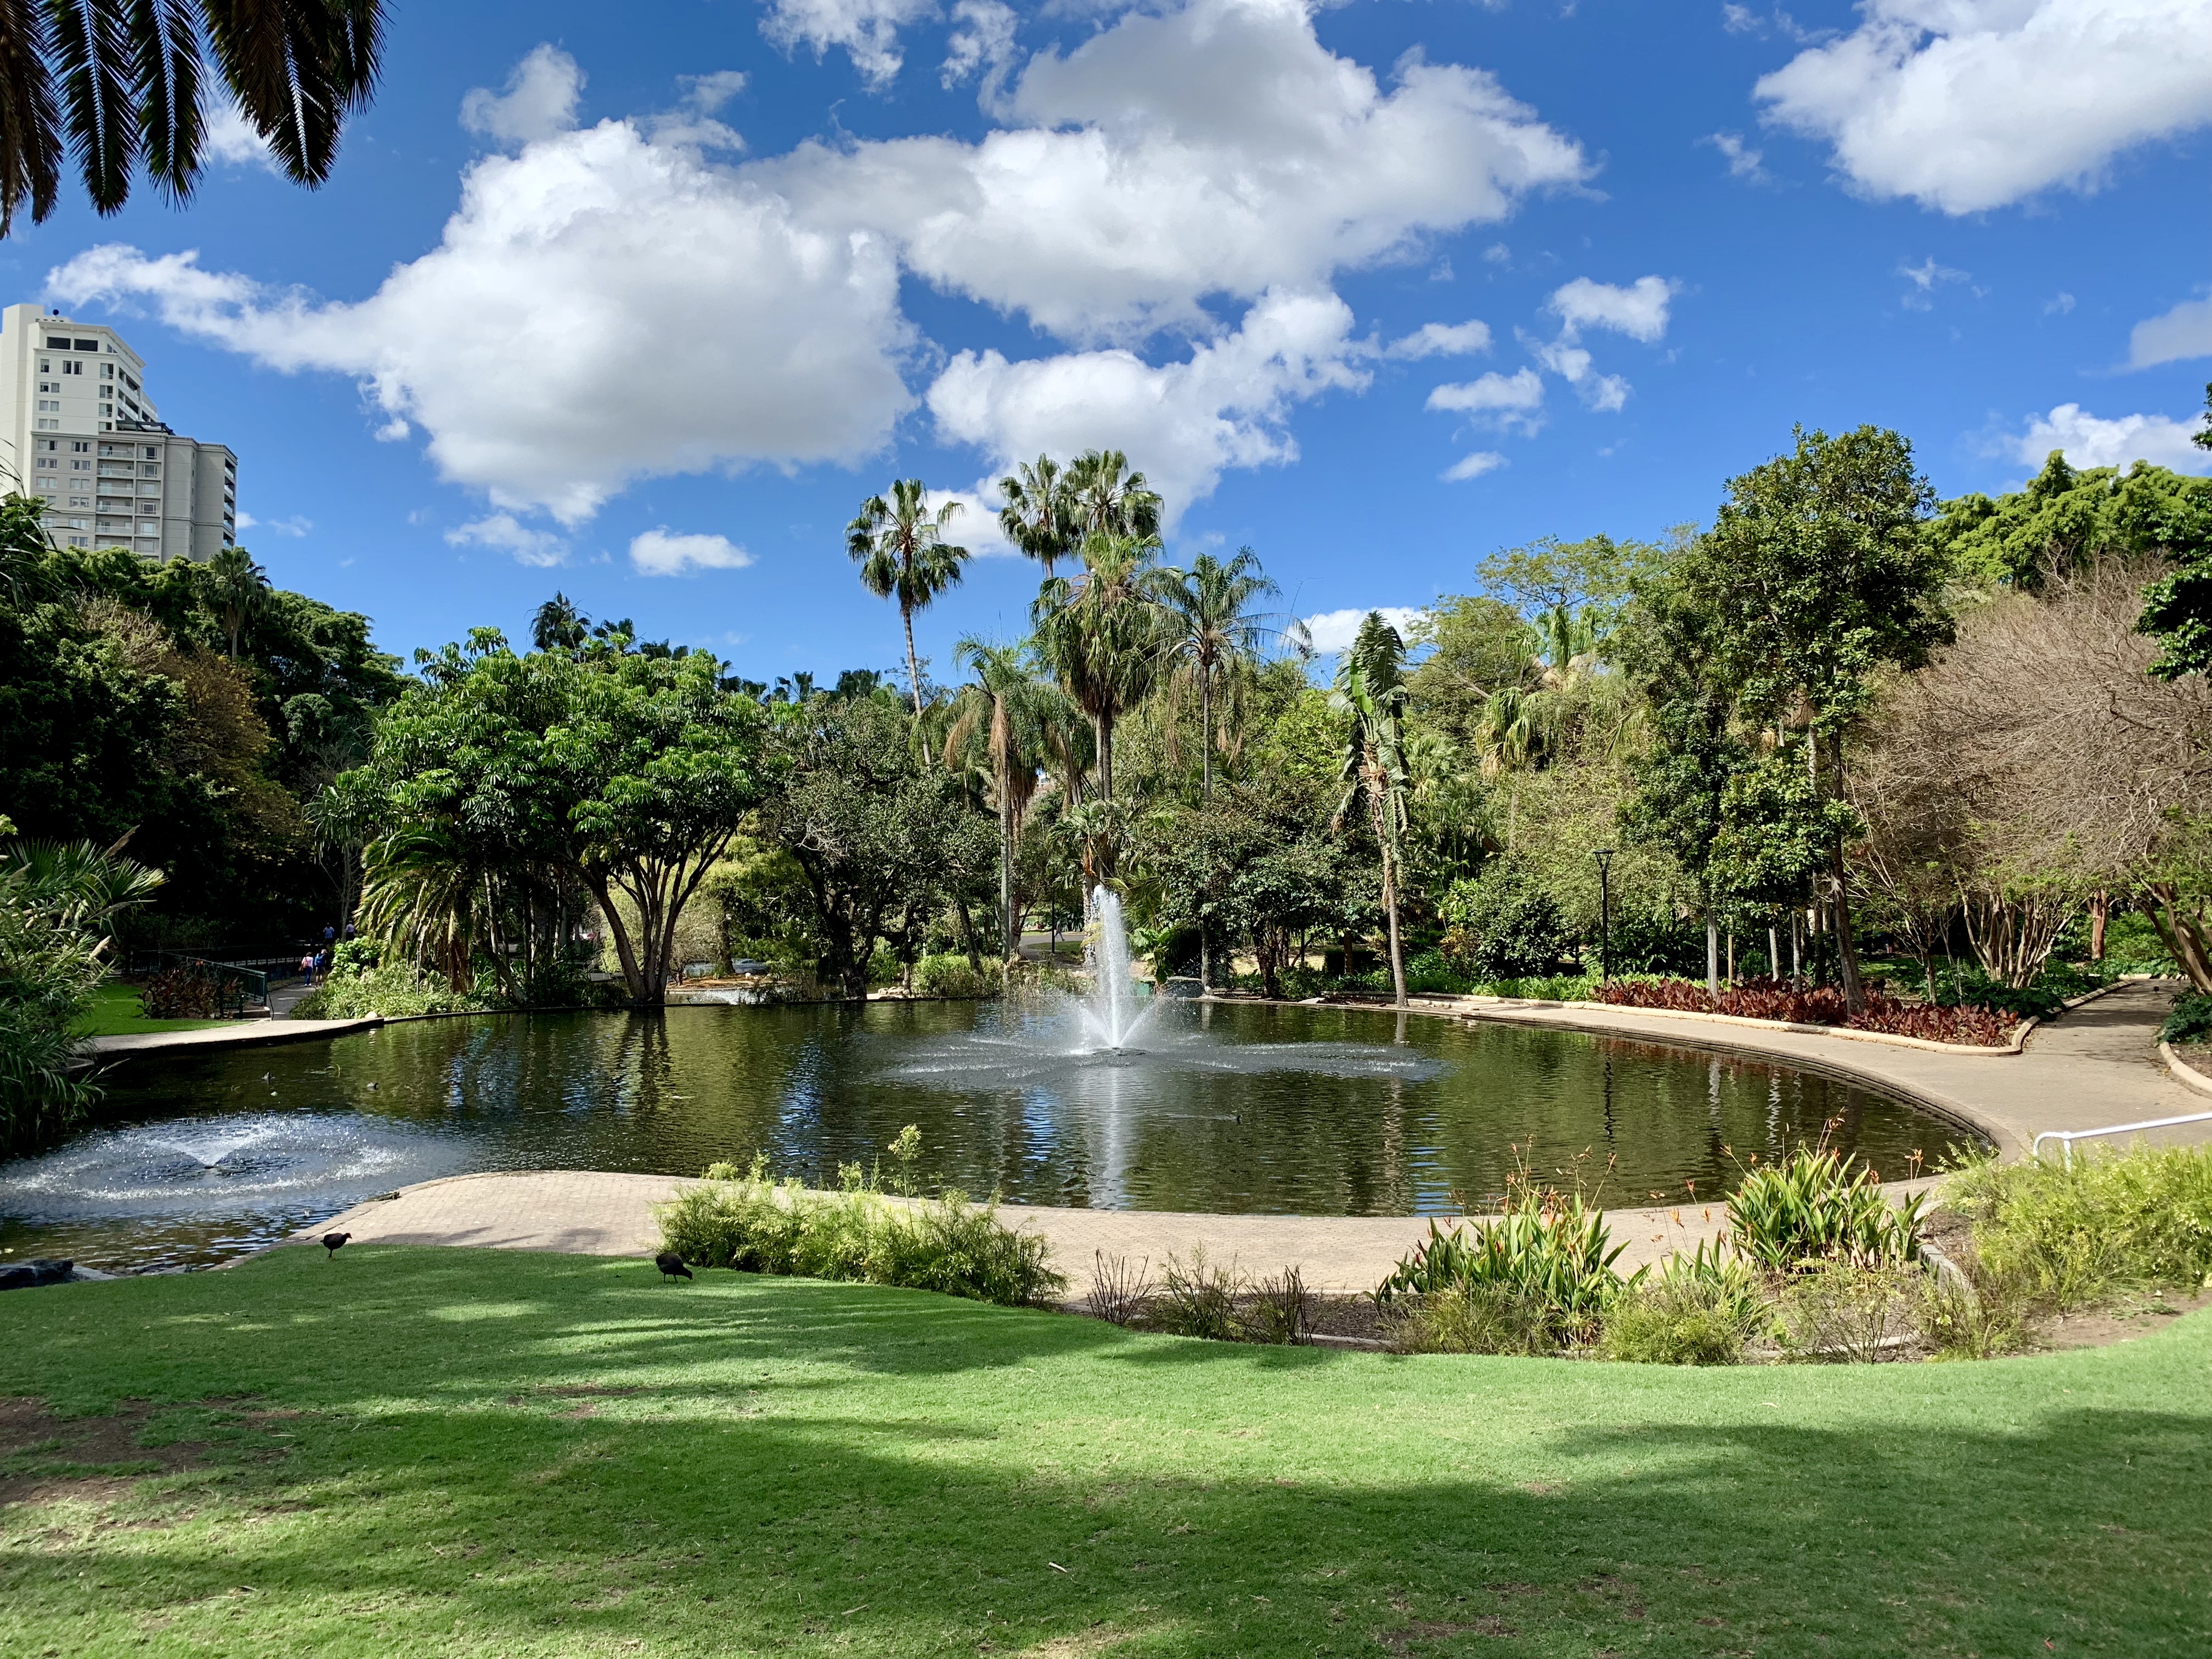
x=1778, y=999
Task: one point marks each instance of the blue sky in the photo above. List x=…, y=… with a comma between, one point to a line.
x=641, y=302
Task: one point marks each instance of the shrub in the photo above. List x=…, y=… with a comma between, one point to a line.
x=1119, y=1294
x=180, y=993
x=1971, y=1312
x=1196, y=1299
x=1697, y=1311
x=2189, y=1022
x=946, y=1244
x=1502, y=924
x=1280, y=1310
x=1553, y=1257
x=1779, y=999
x=950, y=975
x=1850, y=1314
x=2070, y=1233
x=1819, y=1209
x=1474, y=1318
x=393, y=991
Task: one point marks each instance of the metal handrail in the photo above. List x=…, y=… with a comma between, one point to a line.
x=2067, y=1137
x=236, y=988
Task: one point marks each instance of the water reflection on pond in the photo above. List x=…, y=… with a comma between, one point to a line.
x=1327, y=1111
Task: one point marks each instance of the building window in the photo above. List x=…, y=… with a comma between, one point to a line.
x=151, y=468
x=45, y=443
x=72, y=368
x=80, y=467
x=153, y=452
x=83, y=344
x=81, y=446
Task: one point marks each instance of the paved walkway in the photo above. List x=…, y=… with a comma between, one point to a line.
x=246, y=1034
x=2096, y=1065
x=585, y=1214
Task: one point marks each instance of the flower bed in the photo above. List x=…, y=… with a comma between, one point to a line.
x=1778, y=999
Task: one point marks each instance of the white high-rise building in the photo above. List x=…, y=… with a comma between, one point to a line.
x=80, y=431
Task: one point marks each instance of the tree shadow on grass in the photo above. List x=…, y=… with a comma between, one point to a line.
x=799, y=1466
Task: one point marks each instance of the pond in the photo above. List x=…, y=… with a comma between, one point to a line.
x=1217, y=1107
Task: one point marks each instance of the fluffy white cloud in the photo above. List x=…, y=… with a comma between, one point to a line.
x=1509, y=400
x=231, y=140
x=1333, y=631
x=1967, y=105
x=866, y=29
x=1473, y=466
x=1442, y=340
x=1181, y=422
x=507, y=534
x=663, y=552
x=610, y=303
x=982, y=37
x=1639, y=310
x=1218, y=148
x=540, y=99
x=2089, y=441
x=600, y=309
x=2182, y=333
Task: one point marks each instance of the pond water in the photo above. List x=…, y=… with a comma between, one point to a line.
x=1223, y=1107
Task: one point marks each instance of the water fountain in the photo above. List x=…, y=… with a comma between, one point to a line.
x=1112, y=1013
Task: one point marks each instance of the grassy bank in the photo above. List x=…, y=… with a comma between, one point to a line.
x=462, y=1453
x=115, y=1012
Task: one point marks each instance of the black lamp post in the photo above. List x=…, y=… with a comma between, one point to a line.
x=1605, y=915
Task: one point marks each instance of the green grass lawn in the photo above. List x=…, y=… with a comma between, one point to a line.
x=114, y=1013
x=451, y=1452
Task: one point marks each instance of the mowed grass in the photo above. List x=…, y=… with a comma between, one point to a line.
x=115, y=1012
x=418, y=1451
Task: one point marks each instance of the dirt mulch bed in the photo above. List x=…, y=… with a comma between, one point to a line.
x=44, y=1457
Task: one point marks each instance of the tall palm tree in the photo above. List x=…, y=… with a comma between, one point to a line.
x=1102, y=634
x=558, y=625
x=1110, y=499
x=1039, y=516
x=121, y=83
x=1006, y=703
x=1370, y=688
x=237, y=587
x=1214, y=634
x=903, y=555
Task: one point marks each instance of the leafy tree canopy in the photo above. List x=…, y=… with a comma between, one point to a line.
x=2067, y=515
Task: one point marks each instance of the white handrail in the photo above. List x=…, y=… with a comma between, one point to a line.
x=2067, y=1137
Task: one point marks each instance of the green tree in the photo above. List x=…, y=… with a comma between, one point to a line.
x=1371, y=691
x=904, y=556
x=1006, y=705
x=1102, y=634
x=1212, y=634
x=1818, y=575
x=238, y=590
x=1040, y=514
x=1108, y=499
x=2177, y=607
x=123, y=86
x=558, y=625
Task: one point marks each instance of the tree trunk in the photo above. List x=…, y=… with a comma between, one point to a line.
x=1103, y=723
x=2101, y=913
x=913, y=662
x=1390, y=910
x=1206, y=735
x=2182, y=937
x=1847, y=956
x=1713, y=954
x=1773, y=952
x=1012, y=939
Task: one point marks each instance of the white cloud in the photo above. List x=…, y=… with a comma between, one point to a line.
x=663, y=552
x=2182, y=333
x=540, y=99
x=1216, y=150
x=867, y=30
x=982, y=37
x=1333, y=631
x=231, y=139
x=2089, y=441
x=2059, y=304
x=1639, y=310
x=1967, y=104
x=1743, y=161
x=609, y=304
x=1926, y=277
x=1473, y=466
x=297, y=525
x=504, y=532
x=1181, y=424
x=554, y=349
x=1442, y=340
x=1511, y=402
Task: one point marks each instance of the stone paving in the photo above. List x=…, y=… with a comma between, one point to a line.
x=2096, y=1065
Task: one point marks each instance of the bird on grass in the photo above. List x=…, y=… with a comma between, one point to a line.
x=334, y=1242
x=672, y=1264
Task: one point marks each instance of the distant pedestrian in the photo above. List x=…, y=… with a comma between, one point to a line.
x=330, y=935
x=307, y=970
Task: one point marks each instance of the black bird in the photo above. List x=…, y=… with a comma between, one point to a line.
x=672, y=1264
x=334, y=1242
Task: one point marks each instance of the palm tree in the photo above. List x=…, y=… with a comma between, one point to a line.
x=1370, y=688
x=1006, y=703
x=121, y=83
x=903, y=555
x=1215, y=635
x=1039, y=516
x=237, y=588
x=559, y=626
x=1101, y=633
x=1110, y=499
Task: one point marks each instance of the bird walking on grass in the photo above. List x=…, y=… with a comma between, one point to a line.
x=672, y=1264
x=334, y=1242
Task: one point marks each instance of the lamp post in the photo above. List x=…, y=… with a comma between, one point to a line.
x=1605, y=915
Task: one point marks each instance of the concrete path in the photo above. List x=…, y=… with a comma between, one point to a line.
x=246, y=1034
x=584, y=1214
